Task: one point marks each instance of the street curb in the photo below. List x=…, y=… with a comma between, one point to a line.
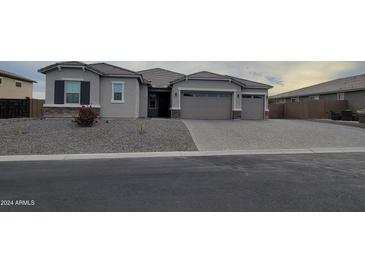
x=55, y=157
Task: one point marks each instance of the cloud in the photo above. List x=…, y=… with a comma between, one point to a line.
x=274, y=80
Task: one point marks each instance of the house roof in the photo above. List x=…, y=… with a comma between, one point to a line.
x=156, y=77
x=206, y=75
x=347, y=84
x=108, y=69
x=250, y=84
x=15, y=76
x=71, y=64
x=103, y=69
x=160, y=77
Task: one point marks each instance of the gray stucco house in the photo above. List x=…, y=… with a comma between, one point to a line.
x=117, y=92
x=351, y=89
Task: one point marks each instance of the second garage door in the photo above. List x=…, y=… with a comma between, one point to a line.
x=252, y=107
x=208, y=105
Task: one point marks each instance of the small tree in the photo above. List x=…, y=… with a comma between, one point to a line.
x=87, y=116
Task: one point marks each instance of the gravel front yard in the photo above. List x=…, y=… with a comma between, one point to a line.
x=62, y=136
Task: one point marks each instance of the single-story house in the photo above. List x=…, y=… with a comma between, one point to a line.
x=14, y=86
x=351, y=89
x=117, y=92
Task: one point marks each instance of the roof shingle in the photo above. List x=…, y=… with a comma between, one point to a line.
x=108, y=69
x=160, y=77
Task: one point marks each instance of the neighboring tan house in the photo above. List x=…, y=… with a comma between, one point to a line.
x=119, y=92
x=13, y=86
x=351, y=89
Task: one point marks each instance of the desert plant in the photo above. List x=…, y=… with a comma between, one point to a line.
x=87, y=117
x=141, y=129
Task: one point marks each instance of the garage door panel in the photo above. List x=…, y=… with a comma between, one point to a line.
x=213, y=106
x=253, y=107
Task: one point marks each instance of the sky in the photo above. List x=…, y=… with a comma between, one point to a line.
x=283, y=76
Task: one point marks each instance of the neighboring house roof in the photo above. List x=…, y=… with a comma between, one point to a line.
x=15, y=76
x=347, y=84
x=159, y=77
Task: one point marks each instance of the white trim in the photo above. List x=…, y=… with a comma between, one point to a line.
x=173, y=108
x=118, y=101
x=254, y=93
x=179, y=96
x=68, y=106
x=72, y=79
x=234, y=100
x=237, y=109
x=209, y=89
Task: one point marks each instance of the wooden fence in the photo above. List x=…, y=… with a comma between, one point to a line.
x=18, y=108
x=311, y=109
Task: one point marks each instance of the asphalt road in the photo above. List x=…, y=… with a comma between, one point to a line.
x=306, y=182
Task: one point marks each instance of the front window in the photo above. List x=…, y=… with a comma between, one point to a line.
x=118, y=92
x=72, y=91
x=341, y=96
x=314, y=97
x=18, y=84
x=295, y=99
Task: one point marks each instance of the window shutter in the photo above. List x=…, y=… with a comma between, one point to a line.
x=85, y=93
x=59, y=92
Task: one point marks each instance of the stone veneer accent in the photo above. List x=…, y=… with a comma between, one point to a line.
x=175, y=113
x=60, y=112
x=236, y=114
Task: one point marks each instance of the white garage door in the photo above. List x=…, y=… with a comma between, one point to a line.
x=253, y=107
x=206, y=105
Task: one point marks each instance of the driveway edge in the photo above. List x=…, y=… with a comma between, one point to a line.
x=191, y=134
x=55, y=157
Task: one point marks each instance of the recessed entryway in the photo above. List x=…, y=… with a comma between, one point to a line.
x=159, y=104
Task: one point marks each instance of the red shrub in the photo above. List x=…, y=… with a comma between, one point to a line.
x=87, y=116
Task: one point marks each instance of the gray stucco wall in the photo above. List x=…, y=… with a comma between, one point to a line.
x=143, y=101
x=73, y=74
x=202, y=84
x=356, y=99
x=130, y=107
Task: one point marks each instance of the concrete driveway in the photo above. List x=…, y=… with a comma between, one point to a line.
x=272, y=134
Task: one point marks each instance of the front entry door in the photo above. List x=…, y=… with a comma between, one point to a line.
x=159, y=104
x=164, y=104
